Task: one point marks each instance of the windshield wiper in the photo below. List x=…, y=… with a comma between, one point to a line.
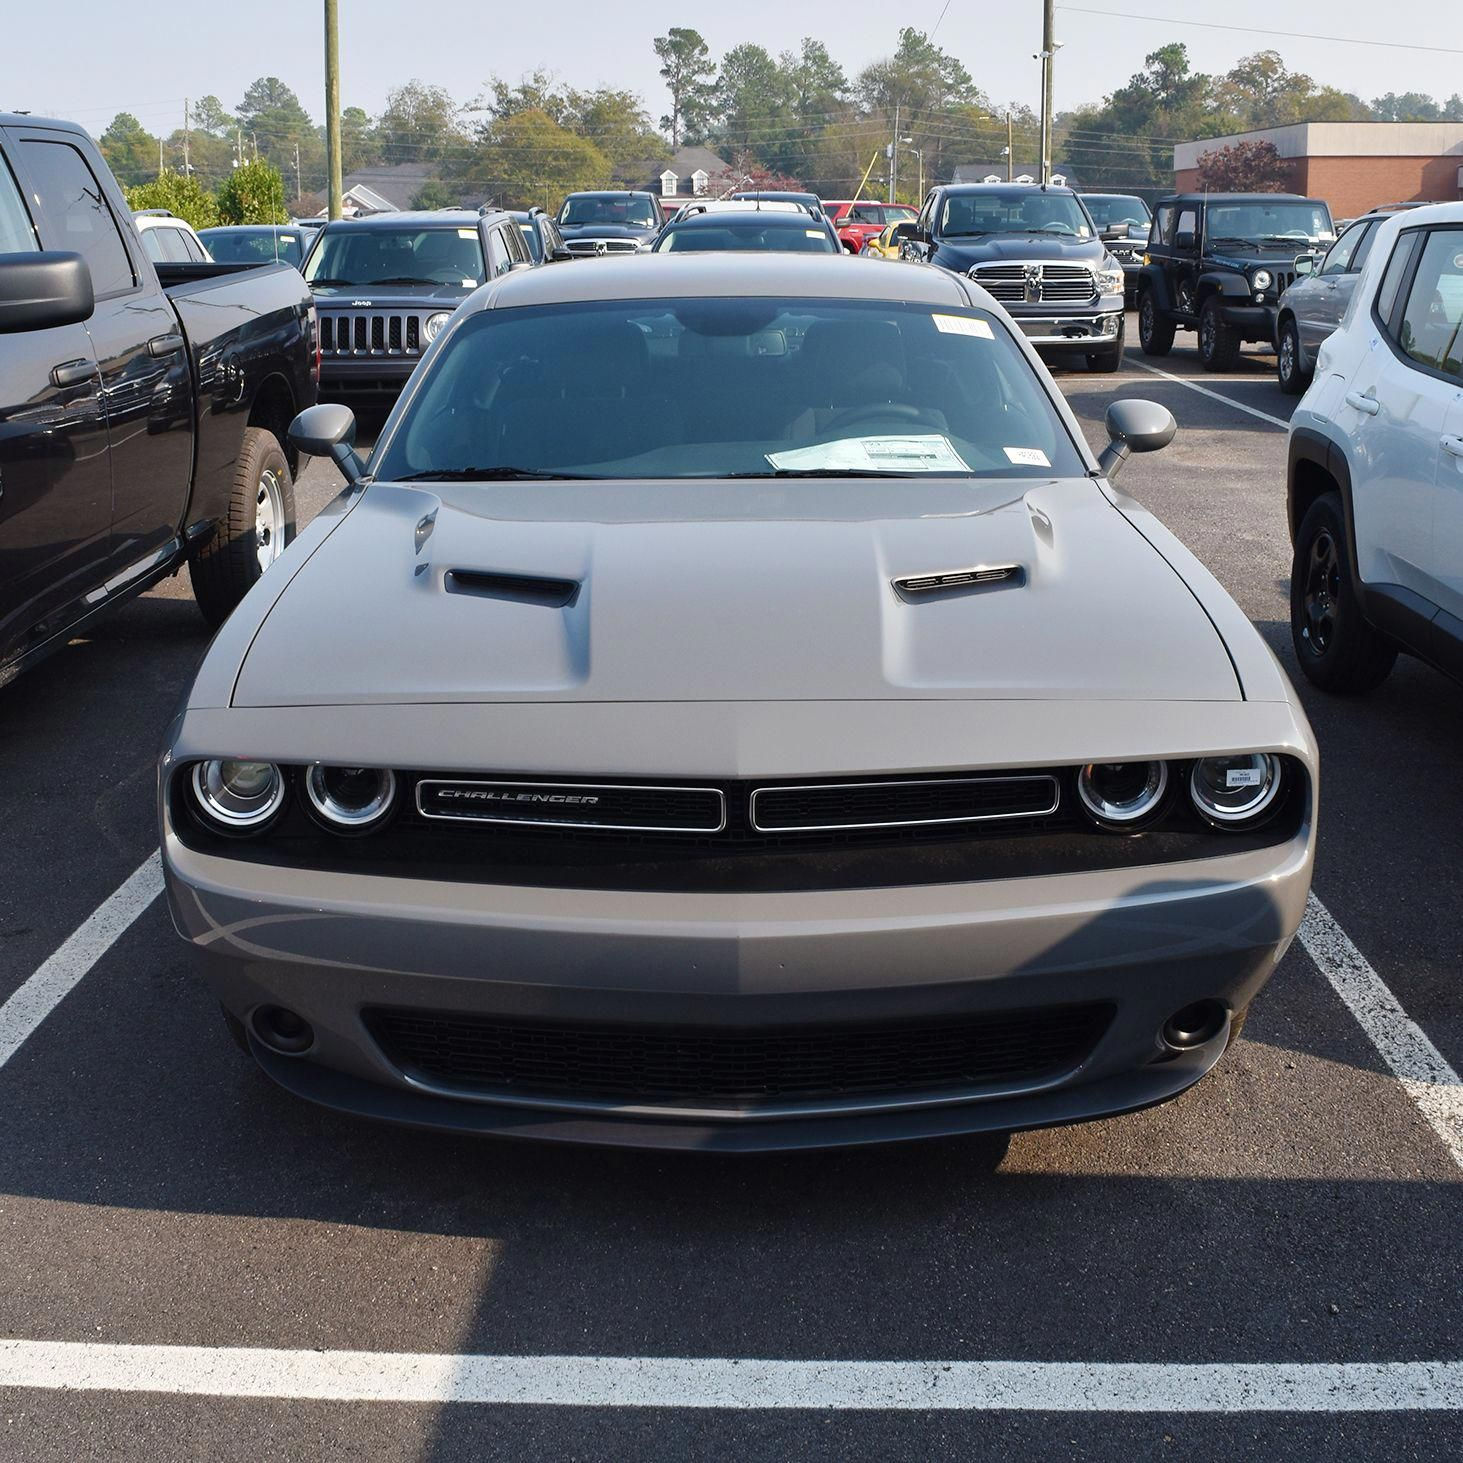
x=400, y=279
x=494, y=474
x=322, y=279
x=824, y=472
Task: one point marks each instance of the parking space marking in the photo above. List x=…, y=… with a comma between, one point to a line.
x=724, y=1382
x=1418, y=1065
x=49, y=984
x=1253, y=411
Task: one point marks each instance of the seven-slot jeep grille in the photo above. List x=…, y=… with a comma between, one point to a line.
x=370, y=333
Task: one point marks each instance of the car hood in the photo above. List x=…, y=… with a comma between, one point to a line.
x=389, y=296
x=772, y=591
x=1023, y=246
x=607, y=231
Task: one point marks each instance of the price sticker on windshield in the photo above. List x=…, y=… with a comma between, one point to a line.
x=1027, y=456
x=467, y=233
x=962, y=325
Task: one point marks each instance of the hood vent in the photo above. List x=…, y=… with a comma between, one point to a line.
x=528, y=589
x=945, y=580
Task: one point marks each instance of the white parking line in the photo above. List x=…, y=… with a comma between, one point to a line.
x=1419, y=1066
x=721, y=1382
x=51, y=981
x=1264, y=416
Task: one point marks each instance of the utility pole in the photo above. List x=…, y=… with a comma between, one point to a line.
x=159, y=157
x=1048, y=57
x=332, y=107
x=238, y=147
x=187, y=166
x=894, y=157
x=299, y=190
x=1010, y=155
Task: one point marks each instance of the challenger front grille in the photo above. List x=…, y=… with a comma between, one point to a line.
x=676, y=1066
x=1037, y=283
x=370, y=334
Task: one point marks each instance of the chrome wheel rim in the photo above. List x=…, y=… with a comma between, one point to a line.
x=1206, y=333
x=1287, y=355
x=268, y=519
x=1321, y=593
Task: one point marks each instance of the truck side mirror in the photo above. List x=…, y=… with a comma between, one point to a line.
x=1134, y=426
x=329, y=430
x=39, y=291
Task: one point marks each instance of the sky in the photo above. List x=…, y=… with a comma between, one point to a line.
x=142, y=60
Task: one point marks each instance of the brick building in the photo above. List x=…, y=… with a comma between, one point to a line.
x=1354, y=166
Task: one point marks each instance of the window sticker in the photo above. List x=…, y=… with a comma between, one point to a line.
x=467, y=233
x=920, y=453
x=1028, y=456
x=812, y=233
x=962, y=325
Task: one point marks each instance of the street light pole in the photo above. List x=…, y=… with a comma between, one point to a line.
x=1048, y=56
x=332, y=107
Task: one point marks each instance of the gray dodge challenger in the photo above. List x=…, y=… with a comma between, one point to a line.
x=734, y=709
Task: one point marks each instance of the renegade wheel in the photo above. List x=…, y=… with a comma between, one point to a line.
x=1337, y=649
x=1110, y=359
x=1155, y=331
x=1293, y=377
x=1218, y=343
x=259, y=526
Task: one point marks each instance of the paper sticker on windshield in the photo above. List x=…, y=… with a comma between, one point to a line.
x=813, y=233
x=1244, y=777
x=1027, y=456
x=920, y=453
x=962, y=325
x=467, y=233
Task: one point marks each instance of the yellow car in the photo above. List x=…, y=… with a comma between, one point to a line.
x=883, y=245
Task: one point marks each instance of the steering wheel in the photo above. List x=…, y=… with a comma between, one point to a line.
x=877, y=411
x=1056, y=227
x=446, y=276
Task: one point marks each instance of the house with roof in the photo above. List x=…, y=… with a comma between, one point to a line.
x=995, y=172
x=694, y=172
x=388, y=188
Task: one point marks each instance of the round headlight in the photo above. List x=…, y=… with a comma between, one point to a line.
x=1262, y=279
x=350, y=799
x=1239, y=789
x=1122, y=794
x=432, y=327
x=238, y=796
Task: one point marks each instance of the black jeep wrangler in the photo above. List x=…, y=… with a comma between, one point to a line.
x=1218, y=263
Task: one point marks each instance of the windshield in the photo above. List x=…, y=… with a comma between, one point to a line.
x=230, y=246
x=1263, y=223
x=633, y=212
x=1115, y=210
x=398, y=256
x=745, y=233
x=1014, y=211
x=696, y=388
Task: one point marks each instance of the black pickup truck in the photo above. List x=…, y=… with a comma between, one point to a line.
x=143, y=407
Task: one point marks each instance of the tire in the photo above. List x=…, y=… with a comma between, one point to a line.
x=1337, y=649
x=1218, y=343
x=1155, y=330
x=236, y=1029
x=1110, y=359
x=258, y=527
x=1237, y=1021
x=1289, y=371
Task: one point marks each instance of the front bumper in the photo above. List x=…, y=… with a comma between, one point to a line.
x=1080, y=332
x=1254, y=322
x=380, y=376
x=1145, y=943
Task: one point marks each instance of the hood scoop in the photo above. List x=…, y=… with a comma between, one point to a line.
x=523, y=589
x=939, y=583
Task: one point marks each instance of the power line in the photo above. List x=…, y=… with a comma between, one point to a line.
x=1295, y=35
x=936, y=25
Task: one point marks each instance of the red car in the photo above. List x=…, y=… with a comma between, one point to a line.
x=858, y=222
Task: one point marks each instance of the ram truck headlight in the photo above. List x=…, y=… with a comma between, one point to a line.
x=432, y=327
x=1110, y=276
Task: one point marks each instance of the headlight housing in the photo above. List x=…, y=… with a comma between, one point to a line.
x=1110, y=276
x=237, y=796
x=1262, y=279
x=432, y=325
x=1122, y=795
x=350, y=799
x=1238, y=789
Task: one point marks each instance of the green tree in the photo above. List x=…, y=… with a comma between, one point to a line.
x=689, y=75
x=755, y=102
x=130, y=150
x=919, y=77
x=420, y=124
x=819, y=85
x=359, y=147
x=253, y=194
x=209, y=116
x=184, y=196
x=434, y=193
x=275, y=124
x=527, y=159
x=617, y=124
x=538, y=91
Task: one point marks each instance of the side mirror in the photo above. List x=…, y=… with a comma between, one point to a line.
x=903, y=232
x=559, y=254
x=1184, y=240
x=1305, y=264
x=329, y=430
x=1113, y=231
x=40, y=291
x=1134, y=426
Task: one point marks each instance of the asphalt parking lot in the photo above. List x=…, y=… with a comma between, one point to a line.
x=1191, y=1281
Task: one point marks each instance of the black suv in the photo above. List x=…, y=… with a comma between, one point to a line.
x=386, y=284
x=1218, y=263
x=610, y=223
x=1034, y=248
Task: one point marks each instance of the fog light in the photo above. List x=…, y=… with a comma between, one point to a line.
x=350, y=799
x=238, y=796
x=1122, y=794
x=1229, y=791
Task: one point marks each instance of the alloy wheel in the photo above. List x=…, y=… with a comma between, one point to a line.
x=1322, y=592
x=269, y=520
x=1287, y=356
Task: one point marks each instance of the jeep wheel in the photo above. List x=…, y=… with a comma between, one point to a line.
x=1155, y=331
x=259, y=525
x=1337, y=649
x=1110, y=359
x=1218, y=343
x=1293, y=377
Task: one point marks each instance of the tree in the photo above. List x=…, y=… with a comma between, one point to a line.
x=1411, y=106
x=538, y=91
x=1244, y=167
x=358, y=145
x=275, y=124
x=528, y=159
x=918, y=77
x=253, y=194
x=819, y=86
x=755, y=101
x=617, y=124
x=434, y=193
x=181, y=195
x=686, y=66
x=209, y=116
x=420, y=124
x=130, y=150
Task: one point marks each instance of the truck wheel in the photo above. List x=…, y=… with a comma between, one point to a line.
x=1155, y=331
x=1218, y=343
x=1110, y=359
x=1337, y=649
x=1292, y=376
x=258, y=527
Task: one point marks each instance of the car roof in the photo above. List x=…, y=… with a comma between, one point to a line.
x=1091, y=193
x=716, y=275
x=723, y=208
x=437, y=218
x=609, y=193
x=251, y=229
x=1239, y=198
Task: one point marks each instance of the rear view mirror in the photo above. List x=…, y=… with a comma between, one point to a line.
x=40, y=291
x=1134, y=426
x=329, y=430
